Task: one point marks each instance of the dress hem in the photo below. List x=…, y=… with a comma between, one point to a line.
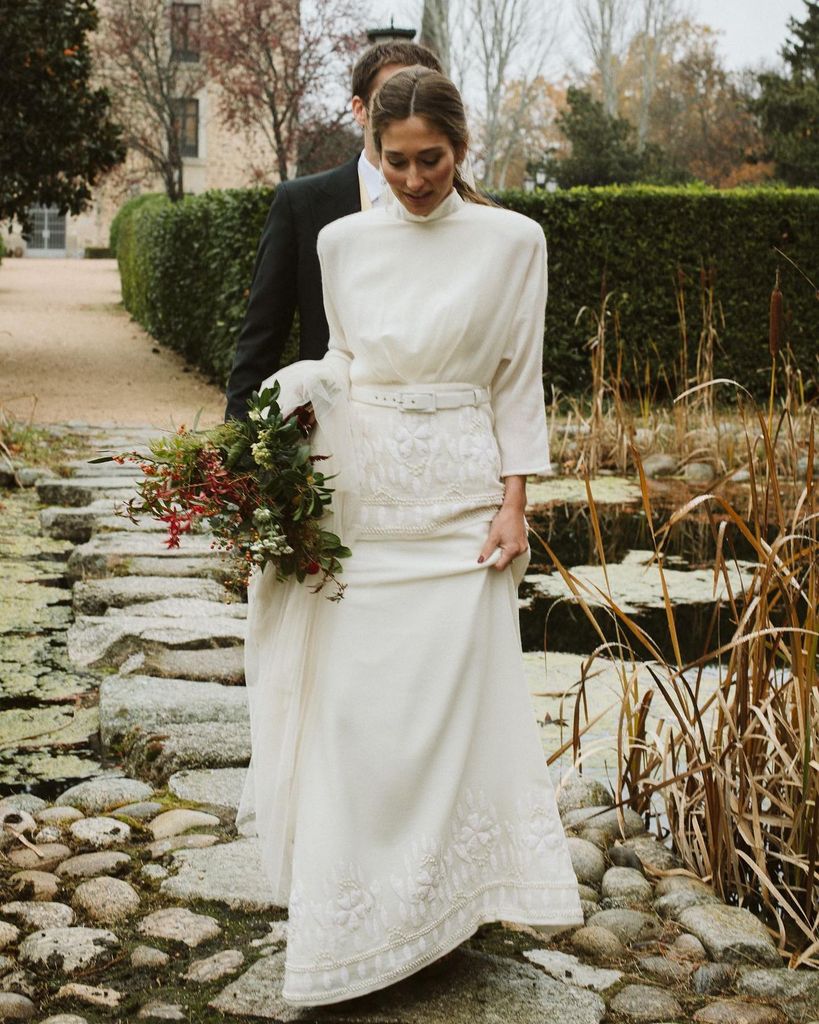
x=352, y=991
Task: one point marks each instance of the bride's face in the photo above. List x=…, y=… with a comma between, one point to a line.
x=418, y=162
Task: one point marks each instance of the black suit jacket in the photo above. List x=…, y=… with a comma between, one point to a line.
x=287, y=277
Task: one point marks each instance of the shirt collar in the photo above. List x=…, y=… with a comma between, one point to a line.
x=372, y=177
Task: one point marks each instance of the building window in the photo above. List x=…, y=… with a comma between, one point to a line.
x=185, y=25
x=186, y=115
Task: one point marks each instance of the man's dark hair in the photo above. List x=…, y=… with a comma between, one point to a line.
x=395, y=52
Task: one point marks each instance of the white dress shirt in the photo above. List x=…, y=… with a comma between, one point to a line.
x=372, y=179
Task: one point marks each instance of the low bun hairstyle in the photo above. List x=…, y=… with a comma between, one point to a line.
x=421, y=92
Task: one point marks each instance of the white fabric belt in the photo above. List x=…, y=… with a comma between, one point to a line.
x=420, y=400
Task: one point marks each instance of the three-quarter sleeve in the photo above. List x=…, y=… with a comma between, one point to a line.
x=517, y=388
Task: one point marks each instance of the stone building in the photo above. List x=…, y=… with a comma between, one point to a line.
x=213, y=157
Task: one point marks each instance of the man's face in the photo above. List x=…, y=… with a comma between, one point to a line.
x=360, y=106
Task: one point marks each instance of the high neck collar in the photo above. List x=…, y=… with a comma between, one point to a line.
x=451, y=204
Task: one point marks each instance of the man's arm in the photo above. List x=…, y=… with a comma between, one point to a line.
x=270, y=308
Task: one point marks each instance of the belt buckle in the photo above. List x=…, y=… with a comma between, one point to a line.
x=418, y=401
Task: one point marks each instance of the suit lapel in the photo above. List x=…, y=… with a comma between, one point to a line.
x=338, y=195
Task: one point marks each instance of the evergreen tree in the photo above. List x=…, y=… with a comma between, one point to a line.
x=55, y=134
x=789, y=104
x=604, y=149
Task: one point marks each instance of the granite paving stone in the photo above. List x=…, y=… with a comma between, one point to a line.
x=93, y=994
x=731, y=934
x=570, y=969
x=736, y=1011
x=85, y=865
x=219, y=788
x=9, y=934
x=211, y=968
x=148, y=956
x=40, y=857
x=69, y=949
x=230, y=873
x=627, y=925
x=34, y=885
x=105, y=793
x=197, y=841
x=646, y=1003
x=95, y=597
x=100, y=832
x=179, y=820
x=469, y=987
x=106, y=900
x=14, y=1006
x=127, y=703
x=180, y=925
x=37, y=915
x=107, y=641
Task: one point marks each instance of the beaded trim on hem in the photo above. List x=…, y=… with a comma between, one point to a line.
x=556, y=920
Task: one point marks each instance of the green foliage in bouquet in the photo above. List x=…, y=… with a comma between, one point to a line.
x=254, y=483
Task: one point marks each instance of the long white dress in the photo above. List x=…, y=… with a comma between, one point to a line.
x=419, y=802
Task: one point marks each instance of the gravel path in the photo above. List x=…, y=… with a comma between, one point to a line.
x=69, y=351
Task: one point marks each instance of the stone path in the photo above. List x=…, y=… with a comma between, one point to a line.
x=130, y=896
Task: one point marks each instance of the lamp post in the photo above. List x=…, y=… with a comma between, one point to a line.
x=389, y=33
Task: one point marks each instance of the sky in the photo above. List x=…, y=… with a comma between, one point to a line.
x=752, y=31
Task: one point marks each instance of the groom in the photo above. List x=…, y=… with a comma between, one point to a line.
x=287, y=276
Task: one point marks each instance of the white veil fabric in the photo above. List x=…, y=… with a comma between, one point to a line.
x=281, y=623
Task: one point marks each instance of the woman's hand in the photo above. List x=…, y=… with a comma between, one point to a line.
x=306, y=418
x=508, y=529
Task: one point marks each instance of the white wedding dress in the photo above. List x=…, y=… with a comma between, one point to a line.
x=398, y=784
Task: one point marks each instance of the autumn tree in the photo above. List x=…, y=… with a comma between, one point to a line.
x=789, y=103
x=56, y=132
x=149, y=54
x=283, y=69
x=700, y=114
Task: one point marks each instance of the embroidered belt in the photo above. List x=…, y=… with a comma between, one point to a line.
x=420, y=400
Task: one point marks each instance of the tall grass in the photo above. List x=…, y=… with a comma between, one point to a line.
x=731, y=771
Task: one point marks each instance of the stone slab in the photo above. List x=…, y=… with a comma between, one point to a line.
x=80, y=524
x=113, y=553
x=199, y=745
x=150, y=704
x=731, y=935
x=220, y=788
x=95, y=597
x=107, y=641
x=183, y=608
x=635, y=585
x=230, y=873
x=465, y=988
x=104, y=793
x=76, y=491
x=224, y=665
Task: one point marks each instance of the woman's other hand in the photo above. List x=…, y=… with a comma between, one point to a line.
x=305, y=417
x=508, y=529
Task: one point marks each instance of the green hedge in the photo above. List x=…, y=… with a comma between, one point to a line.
x=186, y=269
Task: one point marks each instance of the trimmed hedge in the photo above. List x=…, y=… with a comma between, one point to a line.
x=186, y=270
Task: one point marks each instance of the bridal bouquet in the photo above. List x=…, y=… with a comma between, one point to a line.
x=254, y=483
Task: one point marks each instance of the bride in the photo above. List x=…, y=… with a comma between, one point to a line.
x=398, y=785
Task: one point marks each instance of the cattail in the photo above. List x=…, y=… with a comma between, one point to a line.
x=775, y=335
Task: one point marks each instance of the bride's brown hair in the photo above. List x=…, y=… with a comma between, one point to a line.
x=421, y=92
